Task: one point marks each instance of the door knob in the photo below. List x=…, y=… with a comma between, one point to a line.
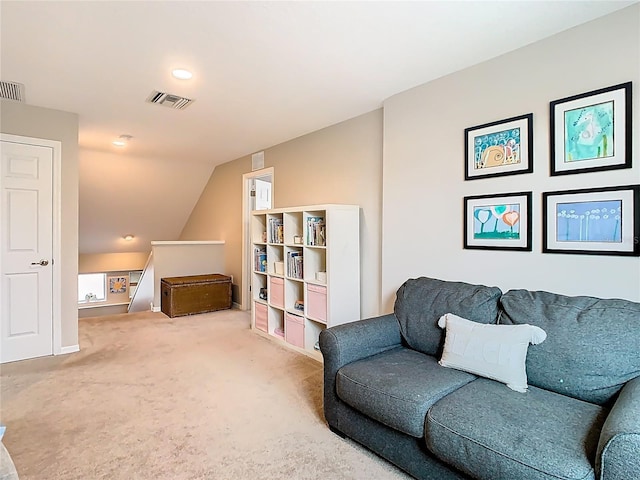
x=43, y=263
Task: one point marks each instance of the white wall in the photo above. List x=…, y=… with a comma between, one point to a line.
x=147, y=197
x=111, y=262
x=175, y=259
x=423, y=163
x=143, y=298
x=338, y=164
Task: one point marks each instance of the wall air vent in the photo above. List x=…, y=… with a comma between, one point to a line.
x=12, y=91
x=169, y=100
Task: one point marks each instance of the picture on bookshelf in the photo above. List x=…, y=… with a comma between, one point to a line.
x=498, y=222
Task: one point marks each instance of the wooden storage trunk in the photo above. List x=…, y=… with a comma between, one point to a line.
x=195, y=294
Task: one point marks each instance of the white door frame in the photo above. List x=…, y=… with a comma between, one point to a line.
x=246, y=228
x=56, y=146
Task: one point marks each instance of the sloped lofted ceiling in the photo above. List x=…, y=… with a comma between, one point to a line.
x=264, y=73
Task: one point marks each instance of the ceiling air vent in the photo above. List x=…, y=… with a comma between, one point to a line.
x=12, y=91
x=169, y=100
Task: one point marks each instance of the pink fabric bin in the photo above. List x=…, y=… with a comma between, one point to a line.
x=276, y=292
x=294, y=330
x=317, y=302
x=261, y=317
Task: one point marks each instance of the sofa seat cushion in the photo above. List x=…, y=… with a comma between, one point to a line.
x=494, y=433
x=397, y=387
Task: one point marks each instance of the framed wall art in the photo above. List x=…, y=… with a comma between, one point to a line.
x=597, y=221
x=499, y=148
x=498, y=222
x=117, y=284
x=591, y=131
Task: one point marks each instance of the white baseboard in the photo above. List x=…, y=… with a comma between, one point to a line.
x=69, y=349
x=155, y=309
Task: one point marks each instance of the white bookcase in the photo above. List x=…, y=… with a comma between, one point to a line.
x=306, y=272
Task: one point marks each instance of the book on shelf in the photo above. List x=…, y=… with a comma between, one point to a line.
x=316, y=231
x=294, y=264
x=260, y=260
x=276, y=230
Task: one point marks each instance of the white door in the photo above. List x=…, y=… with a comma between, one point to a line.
x=263, y=193
x=26, y=221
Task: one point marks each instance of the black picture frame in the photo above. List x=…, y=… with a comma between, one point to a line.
x=504, y=211
x=499, y=148
x=592, y=221
x=581, y=127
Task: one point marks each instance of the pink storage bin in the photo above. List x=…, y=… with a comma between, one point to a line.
x=294, y=330
x=317, y=302
x=276, y=292
x=261, y=317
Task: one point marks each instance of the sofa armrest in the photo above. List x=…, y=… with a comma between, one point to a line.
x=344, y=344
x=618, y=456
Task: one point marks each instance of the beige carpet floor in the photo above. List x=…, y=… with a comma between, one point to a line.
x=199, y=397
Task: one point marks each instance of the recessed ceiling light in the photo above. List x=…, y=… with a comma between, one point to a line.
x=128, y=238
x=182, y=74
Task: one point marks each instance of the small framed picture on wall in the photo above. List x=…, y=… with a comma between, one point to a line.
x=499, y=148
x=498, y=222
x=596, y=221
x=117, y=285
x=591, y=131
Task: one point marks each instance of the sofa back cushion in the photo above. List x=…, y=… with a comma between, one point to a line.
x=592, y=347
x=420, y=302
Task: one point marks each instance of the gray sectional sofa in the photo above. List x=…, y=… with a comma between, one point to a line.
x=578, y=419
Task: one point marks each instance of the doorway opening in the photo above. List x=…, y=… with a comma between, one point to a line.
x=257, y=194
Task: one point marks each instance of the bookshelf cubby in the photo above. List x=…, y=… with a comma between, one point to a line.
x=311, y=254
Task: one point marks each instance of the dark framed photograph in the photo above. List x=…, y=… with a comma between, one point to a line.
x=498, y=222
x=499, y=148
x=595, y=221
x=591, y=131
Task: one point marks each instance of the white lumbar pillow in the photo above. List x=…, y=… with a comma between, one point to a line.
x=498, y=352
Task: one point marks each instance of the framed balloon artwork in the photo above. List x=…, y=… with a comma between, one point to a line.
x=499, y=148
x=498, y=222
